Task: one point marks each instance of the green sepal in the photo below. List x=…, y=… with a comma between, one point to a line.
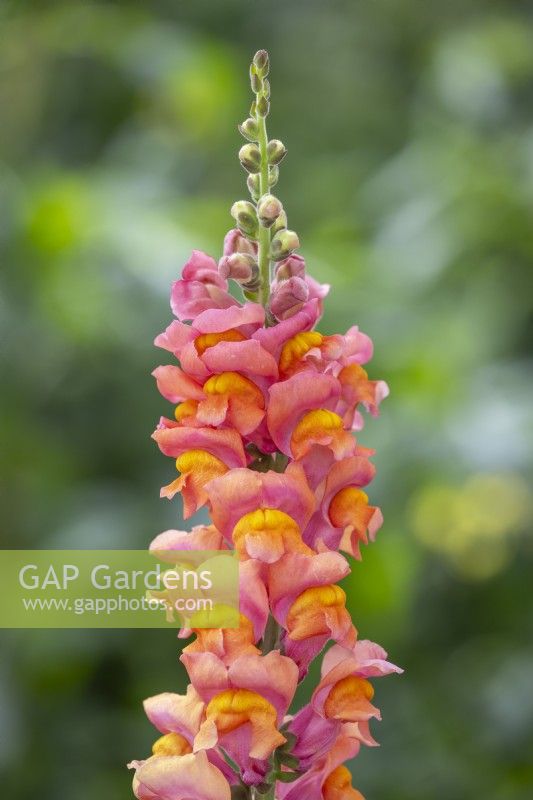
x=240, y=793
x=230, y=762
x=288, y=760
x=279, y=224
x=253, y=185
x=290, y=737
x=273, y=175
x=263, y=106
x=288, y=777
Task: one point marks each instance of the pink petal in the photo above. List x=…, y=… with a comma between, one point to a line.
x=241, y=491
x=217, y=320
x=224, y=444
x=247, y=356
x=175, y=385
x=316, y=289
x=201, y=537
x=207, y=673
x=273, y=338
x=366, y=659
x=174, y=337
x=189, y=777
x=175, y=712
x=201, y=267
x=189, y=298
x=358, y=347
x=353, y=471
x=253, y=596
x=212, y=410
x=273, y=676
x=295, y=573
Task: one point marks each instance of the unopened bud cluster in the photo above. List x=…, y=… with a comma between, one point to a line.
x=262, y=222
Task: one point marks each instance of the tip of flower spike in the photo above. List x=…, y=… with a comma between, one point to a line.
x=261, y=63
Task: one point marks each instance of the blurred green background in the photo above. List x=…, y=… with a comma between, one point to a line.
x=410, y=181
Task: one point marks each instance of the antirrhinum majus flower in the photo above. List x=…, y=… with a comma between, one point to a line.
x=261, y=430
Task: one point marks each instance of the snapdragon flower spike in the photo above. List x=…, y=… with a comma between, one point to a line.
x=262, y=412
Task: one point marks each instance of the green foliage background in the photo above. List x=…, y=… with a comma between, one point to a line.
x=409, y=179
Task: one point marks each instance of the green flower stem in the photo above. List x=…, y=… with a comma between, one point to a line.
x=264, y=233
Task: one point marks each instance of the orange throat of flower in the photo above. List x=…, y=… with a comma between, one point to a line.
x=349, y=508
x=197, y=467
x=207, y=340
x=317, y=611
x=171, y=744
x=234, y=384
x=201, y=463
x=319, y=427
x=296, y=348
x=234, y=708
x=338, y=786
x=349, y=700
x=266, y=534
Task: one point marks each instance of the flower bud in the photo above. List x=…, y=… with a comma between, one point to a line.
x=245, y=215
x=261, y=62
x=273, y=175
x=250, y=157
x=242, y=267
x=268, y=210
x=280, y=223
x=253, y=184
x=276, y=151
x=249, y=129
x=263, y=106
x=235, y=242
x=288, y=297
x=266, y=88
x=283, y=243
x=291, y=267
